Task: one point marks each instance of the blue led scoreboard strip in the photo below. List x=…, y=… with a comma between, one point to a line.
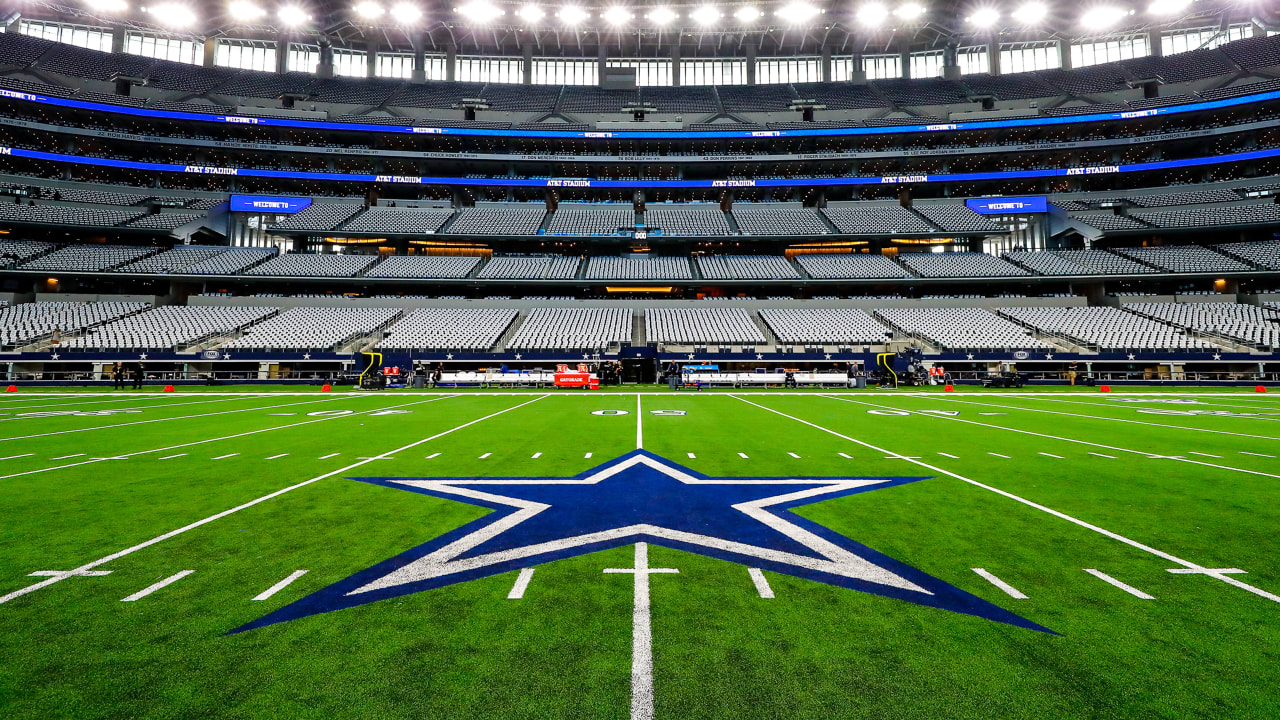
x=614, y=184
x=629, y=134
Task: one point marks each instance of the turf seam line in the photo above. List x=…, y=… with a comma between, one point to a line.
x=269, y=496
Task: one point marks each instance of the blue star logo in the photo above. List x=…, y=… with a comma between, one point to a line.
x=641, y=497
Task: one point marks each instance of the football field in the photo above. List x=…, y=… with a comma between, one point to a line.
x=643, y=554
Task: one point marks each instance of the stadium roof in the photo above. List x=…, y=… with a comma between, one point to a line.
x=654, y=27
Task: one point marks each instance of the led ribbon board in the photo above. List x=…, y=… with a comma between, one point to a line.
x=1009, y=206
x=630, y=135
x=635, y=184
x=269, y=204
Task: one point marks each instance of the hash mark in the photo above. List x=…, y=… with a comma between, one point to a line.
x=1009, y=590
x=152, y=588
x=224, y=457
x=1006, y=457
x=280, y=585
x=522, y=583
x=761, y=583
x=1127, y=588
x=953, y=457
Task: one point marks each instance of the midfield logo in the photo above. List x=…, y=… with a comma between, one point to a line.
x=641, y=497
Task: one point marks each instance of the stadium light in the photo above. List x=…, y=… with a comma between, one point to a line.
x=705, y=14
x=984, y=17
x=572, y=15
x=292, y=15
x=748, y=14
x=479, y=11
x=531, y=12
x=797, y=12
x=406, y=13
x=245, y=10
x=662, y=15
x=175, y=15
x=909, y=11
x=616, y=15
x=1168, y=7
x=1101, y=17
x=871, y=14
x=1030, y=13
x=369, y=10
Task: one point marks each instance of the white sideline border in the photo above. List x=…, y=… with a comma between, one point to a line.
x=816, y=392
x=1044, y=508
x=269, y=496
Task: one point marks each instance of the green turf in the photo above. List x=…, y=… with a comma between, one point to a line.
x=1200, y=488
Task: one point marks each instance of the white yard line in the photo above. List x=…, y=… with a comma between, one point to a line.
x=170, y=457
x=794, y=455
x=228, y=455
x=1008, y=589
x=743, y=456
x=953, y=457
x=433, y=456
x=280, y=585
x=74, y=405
x=68, y=457
x=330, y=455
x=1006, y=457
x=1127, y=588
x=521, y=584
x=641, y=634
x=217, y=439
x=761, y=582
x=535, y=456
x=15, y=457
x=152, y=588
x=639, y=425
x=156, y=420
x=482, y=457
x=1109, y=457
x=1056, y=457
x=845, y=456
x=269, y=496
x=277, y=457
x=1043, y=508
x=1100, y=417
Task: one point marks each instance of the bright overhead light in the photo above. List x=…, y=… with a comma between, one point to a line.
x=174, y=15
x=406, y=13
x=109, y=5
x=1031, y=13
x=797, y=12
x=479, y=11
x=1103, y=16
x=616, y=15
x=747, y=14
x=871, y=14
x=705, y=14
x=531, y=13
x=1168, y=7
x=242, y=10
x=369, y=10
x=572, y=15
x=985, y=17
x=909, y=11
x=292, y=15
x=662, y=15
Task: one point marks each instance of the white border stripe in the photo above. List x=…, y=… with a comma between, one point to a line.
x=269, y=496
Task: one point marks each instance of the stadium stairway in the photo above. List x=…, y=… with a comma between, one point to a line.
x=638, y=336
x=733, y=224
x=1064, y=342
x=505, y=337
x=770, y=337
x=1229, y=343
x=218, y=339
x=358, y=342
x=45, y=343
x=899, y=334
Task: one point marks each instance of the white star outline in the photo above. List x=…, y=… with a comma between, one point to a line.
x=835, y=560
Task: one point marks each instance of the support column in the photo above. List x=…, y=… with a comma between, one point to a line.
x=1154, y=47
x=1064, y=54
x=858, y=73
x=904, y=62
x=526, y=65
x=371, y=58
x=210, y=52
x=675, y=64
x=451, y=62
x=602, y=55
x=751, y=64
x=117, y=39
x=282, y=52
x=826, y=64
x=993, y=58
x=951, y=62
x=418, y=40
x=325, y=68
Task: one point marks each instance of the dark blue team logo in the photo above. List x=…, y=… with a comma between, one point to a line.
x=640, y=497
